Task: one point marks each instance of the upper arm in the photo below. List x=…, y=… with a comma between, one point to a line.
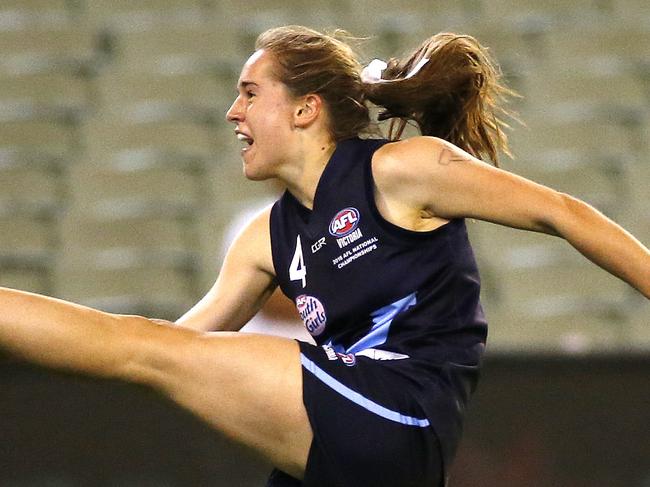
x=434, y=176
x=245, y=282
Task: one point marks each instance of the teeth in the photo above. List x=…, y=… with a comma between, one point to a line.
x=245, y=138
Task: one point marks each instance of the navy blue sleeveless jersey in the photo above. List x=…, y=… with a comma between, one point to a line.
x=366, y=287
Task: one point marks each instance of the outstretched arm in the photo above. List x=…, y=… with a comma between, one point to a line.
x=440, y=179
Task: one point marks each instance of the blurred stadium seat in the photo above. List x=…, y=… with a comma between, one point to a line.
x=119, y=174
x=128, y=238
x=31, y=201
x=129, y=256
x=119, y=170
x=563, y=10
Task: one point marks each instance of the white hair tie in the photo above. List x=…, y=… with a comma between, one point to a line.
x=372, y=72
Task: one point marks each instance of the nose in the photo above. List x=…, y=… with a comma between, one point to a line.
x=235, y=113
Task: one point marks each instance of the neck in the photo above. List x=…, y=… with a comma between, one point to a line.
x=302, y=178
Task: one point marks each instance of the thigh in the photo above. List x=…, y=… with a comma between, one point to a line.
x=247, y=386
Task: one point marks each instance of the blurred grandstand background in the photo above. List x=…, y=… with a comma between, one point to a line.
x=118, y=172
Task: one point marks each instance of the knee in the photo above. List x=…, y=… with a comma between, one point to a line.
x=153, y=351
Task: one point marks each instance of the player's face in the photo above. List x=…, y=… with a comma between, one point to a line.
x=263, y=113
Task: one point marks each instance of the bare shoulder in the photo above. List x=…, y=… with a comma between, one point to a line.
x=253, y=244
x=405, y=168
x=413, y=147
x=260, y=224
x=414, y=157
x=421, y=146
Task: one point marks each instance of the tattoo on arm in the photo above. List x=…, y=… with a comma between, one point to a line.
x=447, y=157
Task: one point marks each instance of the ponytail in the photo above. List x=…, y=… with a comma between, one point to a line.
x=456, y=95
x=449, y=87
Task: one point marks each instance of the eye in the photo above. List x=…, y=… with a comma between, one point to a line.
x=250, y=94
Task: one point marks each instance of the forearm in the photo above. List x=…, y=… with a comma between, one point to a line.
x=63, y=335
x=604, y=242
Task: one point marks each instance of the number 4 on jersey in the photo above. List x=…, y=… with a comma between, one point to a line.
x=297, y=269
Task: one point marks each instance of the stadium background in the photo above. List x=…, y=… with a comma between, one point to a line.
x=118, y=175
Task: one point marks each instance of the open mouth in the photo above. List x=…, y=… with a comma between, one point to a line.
x=248, y=141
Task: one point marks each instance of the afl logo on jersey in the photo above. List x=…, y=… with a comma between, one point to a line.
x=312, y=312
x=344, y=222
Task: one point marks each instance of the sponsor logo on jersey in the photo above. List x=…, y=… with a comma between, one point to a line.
x=316, y=246
x=344, y=222
x=312, y=312
x=347, y=358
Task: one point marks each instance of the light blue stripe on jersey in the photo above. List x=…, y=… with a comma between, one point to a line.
x=357, y=398
x=382, y=319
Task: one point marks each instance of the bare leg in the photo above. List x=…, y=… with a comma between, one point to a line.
x=247, y=386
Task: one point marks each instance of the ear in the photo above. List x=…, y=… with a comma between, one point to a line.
x=308, y=109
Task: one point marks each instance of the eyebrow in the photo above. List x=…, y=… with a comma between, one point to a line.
x=245, y=84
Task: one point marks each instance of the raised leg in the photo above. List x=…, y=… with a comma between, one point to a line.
x=247, y=386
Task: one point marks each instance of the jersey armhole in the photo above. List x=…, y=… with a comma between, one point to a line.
x=391, y=229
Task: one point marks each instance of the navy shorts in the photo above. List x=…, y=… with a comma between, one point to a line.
x=369, y=430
